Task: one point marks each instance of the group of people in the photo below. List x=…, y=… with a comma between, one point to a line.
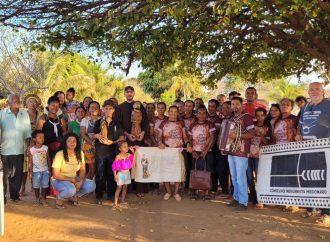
x=71, y=149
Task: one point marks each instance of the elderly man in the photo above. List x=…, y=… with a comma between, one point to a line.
x=314, y=123
x=15, y=129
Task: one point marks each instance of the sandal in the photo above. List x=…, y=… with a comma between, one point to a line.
x=75, y=201
x=59, y=204
x=167, y=196
x=140, y=195
x=177, y=197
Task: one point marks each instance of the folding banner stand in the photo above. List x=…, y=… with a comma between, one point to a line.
x=295, y=173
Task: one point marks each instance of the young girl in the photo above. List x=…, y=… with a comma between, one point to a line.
x=87, y=134
x=71, y=104
x=121, y=166
x=39, y=167
x=74, y=126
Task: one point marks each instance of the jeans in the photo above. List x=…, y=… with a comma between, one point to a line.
x=13, y=172
x=67, y=189
x=238, y=166
x=221, y=171
x=252, y=167
x=40, y=179
x=104, y=178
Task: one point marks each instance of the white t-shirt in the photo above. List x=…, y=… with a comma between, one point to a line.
x=88, y=124
x=39, y=158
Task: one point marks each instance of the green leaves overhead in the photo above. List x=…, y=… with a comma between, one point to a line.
x=257, y=40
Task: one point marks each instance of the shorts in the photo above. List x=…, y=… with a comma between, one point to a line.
x=124, y=178
x=89, y=152
x=40, y=179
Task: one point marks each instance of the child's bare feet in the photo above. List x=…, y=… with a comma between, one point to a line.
x=124, y=204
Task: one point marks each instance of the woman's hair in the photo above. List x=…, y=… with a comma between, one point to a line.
x=287, y=100
x=175, y=107
x=56, y=95
x=53, y=99
x=94, y=102
x=79, y=108
x=77, y=150
x=191, y=102
x=58, y=92
x=269, y=117
x=152, y=104
x=301, y=98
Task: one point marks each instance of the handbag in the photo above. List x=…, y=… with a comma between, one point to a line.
x=200, y=179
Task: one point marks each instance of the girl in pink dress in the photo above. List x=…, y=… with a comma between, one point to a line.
x=121, y=168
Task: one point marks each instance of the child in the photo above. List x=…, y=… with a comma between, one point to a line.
x=121, y=166
x=88, y=136
x=74, y=126
x=39, y=167
x=71, y=104
x=257, y=141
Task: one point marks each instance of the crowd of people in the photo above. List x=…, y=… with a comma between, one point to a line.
x=73, y=148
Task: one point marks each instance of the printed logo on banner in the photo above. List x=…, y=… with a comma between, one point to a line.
x=307, y=170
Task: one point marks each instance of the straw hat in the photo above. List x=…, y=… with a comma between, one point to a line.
x=32, y=96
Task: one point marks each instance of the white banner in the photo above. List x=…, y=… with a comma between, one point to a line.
x=158, y=165
x=295, y=174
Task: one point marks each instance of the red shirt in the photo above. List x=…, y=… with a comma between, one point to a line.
x=285, y=130
x=189, y=121
x=256, y=141
x=172, y=133
x=251, y=108
x=216, y=120
x=200, y=134
x=156, y=121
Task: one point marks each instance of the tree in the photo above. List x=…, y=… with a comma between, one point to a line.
x=154, y=83
x=189, y=87
x=21, y=71
x=256, y=40
x=286, y=89
x=87, y=77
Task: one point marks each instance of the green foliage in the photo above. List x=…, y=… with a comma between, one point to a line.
x=286, y=89
x=154, y=83
x=256, y=40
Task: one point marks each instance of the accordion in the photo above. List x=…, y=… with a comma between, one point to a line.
x=225, y=143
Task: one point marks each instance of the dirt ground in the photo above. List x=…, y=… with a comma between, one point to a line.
x=152, y=219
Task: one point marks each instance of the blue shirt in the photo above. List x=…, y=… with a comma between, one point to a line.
x=315, y=120
x=14, y=131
